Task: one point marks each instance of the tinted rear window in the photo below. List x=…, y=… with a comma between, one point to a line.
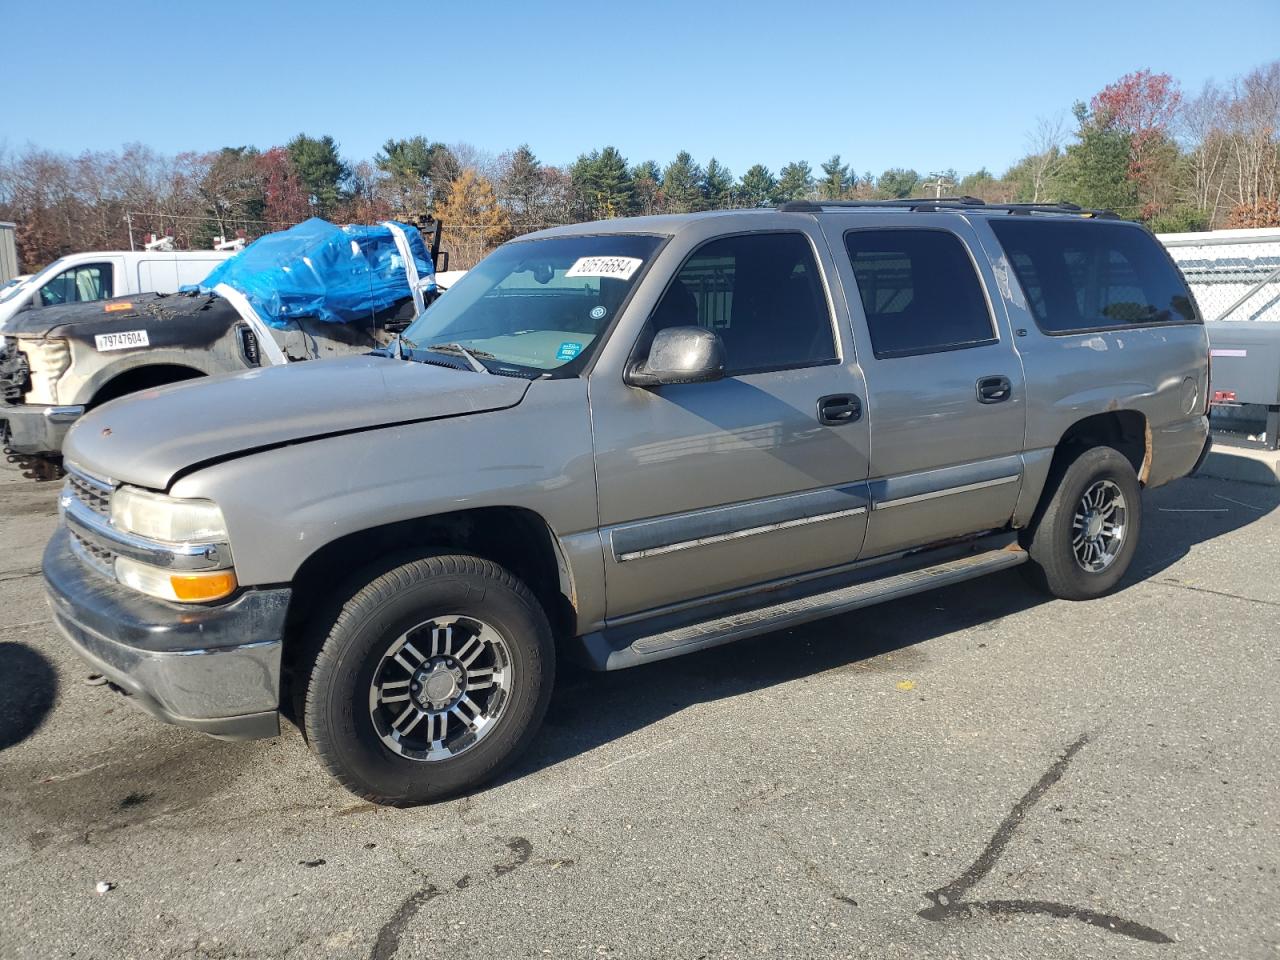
x=1083, y=275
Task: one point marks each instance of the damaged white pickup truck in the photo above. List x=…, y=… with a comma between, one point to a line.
x=313, y=291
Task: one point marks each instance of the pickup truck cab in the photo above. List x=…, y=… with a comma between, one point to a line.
x=104, y=274
x=625, y=441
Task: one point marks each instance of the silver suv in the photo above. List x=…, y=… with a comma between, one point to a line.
x=627, y=440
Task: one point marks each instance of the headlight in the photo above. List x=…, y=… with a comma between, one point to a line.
x=48, y=360
x=157, y=517
x=49, y=356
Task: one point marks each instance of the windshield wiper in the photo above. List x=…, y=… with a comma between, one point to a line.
x=398, y=343
x=471, y=356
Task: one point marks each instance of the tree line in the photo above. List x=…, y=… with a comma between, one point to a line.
x=1140, y=147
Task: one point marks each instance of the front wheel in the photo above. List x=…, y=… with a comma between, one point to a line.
x=1085, y=538
x=433, y=677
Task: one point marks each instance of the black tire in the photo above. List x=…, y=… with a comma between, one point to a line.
x=1054, y=565
x=337, y=717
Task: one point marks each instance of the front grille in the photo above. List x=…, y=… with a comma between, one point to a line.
x=91, y=492
x=15, y=374
x=95, y=495
x=100, y=558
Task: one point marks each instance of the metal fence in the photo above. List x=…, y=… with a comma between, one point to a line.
x=1234, y=274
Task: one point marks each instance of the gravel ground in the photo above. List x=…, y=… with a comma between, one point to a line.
x=976, y=772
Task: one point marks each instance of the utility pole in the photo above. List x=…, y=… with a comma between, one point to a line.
x=938, y=181
x=128, y=218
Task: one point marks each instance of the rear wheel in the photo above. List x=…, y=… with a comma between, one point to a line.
x=433, y=677
x=1085, y=538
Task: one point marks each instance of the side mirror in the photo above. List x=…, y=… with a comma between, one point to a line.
x=680, y=355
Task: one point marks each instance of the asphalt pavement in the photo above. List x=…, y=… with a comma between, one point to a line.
x=975, y=772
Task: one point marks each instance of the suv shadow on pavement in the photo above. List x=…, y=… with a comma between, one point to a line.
x=592, y=709
x=27, y=692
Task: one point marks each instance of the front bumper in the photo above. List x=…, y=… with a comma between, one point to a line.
x=33, y=429
x=215, y=669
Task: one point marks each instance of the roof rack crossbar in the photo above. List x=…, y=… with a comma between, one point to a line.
x=937, y=204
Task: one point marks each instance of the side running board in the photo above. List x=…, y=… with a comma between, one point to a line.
x=791, y=612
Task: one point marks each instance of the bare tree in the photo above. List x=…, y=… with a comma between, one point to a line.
x=1200, y=129
x=1045, y=143
x=1253, y=120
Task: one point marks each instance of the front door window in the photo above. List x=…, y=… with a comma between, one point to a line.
x=87, y=282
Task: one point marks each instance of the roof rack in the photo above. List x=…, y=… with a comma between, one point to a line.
x=937, y=204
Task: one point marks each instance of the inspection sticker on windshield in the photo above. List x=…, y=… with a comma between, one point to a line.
x=568, y=350
x=124, y=340
x=614, y=268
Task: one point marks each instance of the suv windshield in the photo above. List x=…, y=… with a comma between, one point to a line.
x=536, y=306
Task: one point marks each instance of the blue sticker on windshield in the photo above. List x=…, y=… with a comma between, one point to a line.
x=568, y=350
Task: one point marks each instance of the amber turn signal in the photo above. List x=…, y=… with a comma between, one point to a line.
x=195, y=587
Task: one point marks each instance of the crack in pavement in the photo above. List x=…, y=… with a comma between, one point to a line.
x=20, y=574
x=1216, y=593
x=948, y=902
x=388, y=939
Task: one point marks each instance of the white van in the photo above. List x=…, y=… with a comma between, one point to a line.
x=101, y=276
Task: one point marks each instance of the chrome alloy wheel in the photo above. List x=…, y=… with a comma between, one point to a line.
x=1098, y=526
x=440, y=688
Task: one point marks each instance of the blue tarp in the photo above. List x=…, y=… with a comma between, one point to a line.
x=316, y=269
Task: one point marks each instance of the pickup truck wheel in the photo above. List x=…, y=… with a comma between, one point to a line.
x=433, y=677
x=1085, y=538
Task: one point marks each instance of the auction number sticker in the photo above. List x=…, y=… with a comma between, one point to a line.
x=125, y=340
x=613, y=268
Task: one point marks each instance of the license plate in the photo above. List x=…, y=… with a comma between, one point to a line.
x=125, y=340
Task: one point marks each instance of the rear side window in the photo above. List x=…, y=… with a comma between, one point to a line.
x=1085, y=275
x=920, y=291
x=762, y=294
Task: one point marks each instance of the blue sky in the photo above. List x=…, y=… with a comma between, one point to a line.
x=926, y=84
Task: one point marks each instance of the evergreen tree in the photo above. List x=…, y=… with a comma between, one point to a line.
x=1095, y=171
x=835, y=179
x=647, y=180
x=682, y=184
x=758, y=187
x=522, y=189
x=410, y=166
x=897, y=183
x=795, y=182
x=320, y=171
x=647, y=170
x=717, y=186
x=407, y=158
x=604, y=183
